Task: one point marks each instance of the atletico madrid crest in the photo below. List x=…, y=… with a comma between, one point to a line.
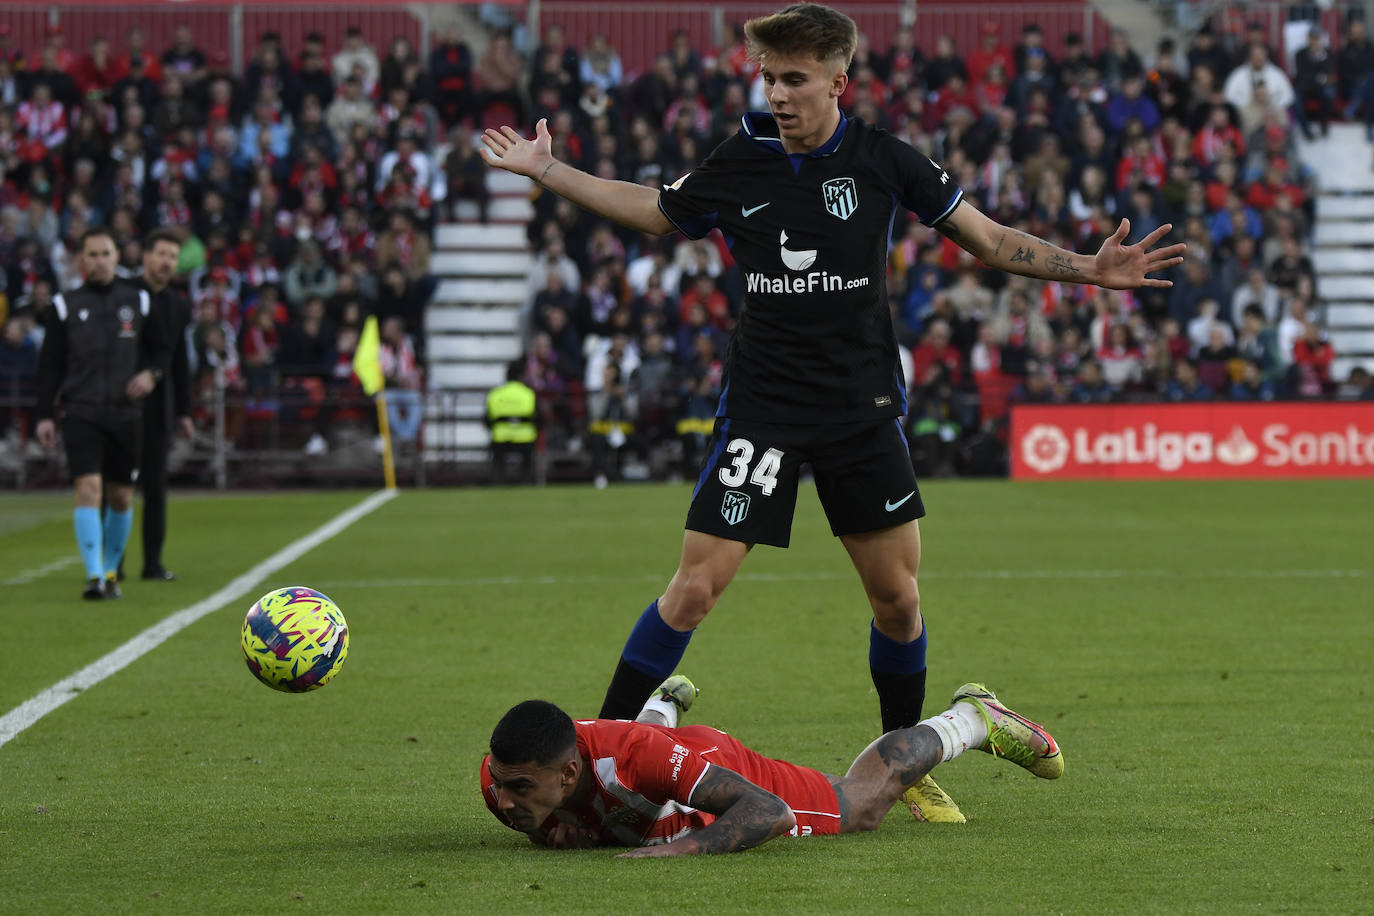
x=735, y=506
x=841, y=197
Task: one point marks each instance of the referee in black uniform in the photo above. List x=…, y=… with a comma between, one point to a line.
x=805, y=198
x=169, y=404
x=101, y=354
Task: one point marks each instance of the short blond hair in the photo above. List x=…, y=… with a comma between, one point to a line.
x=804, y=28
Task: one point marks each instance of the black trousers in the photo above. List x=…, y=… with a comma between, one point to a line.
x=152, y=480
x=503, y=454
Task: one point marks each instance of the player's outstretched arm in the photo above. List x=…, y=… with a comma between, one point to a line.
x=747, y=815
x=632, y=205
x=1115, y=266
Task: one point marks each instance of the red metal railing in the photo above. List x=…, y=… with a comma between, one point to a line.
x=639, y=31
x=212, y=25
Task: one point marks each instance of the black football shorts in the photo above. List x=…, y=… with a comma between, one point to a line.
x=110, y=449
x=748, y=485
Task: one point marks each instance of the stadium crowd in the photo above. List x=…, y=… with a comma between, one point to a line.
x=306, y=190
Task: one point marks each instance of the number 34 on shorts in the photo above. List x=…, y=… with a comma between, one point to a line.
x=741, y=453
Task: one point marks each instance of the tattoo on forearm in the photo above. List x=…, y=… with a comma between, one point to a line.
x=1023, y=254
x=746, y=814
x=910, y=752
x=999, y=245
x=1058, y=264
x=544, y=174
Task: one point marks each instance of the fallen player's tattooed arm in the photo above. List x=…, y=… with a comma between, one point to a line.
x=746, y=816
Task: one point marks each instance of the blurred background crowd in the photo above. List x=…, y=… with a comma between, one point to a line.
x=308, y=187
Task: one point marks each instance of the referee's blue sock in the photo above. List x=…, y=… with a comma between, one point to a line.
x=899, y=674
x=86, y=520
x=651, y=653
x=117, y=525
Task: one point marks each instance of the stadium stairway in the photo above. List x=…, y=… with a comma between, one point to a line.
x=473, y=323
x=1343, y=242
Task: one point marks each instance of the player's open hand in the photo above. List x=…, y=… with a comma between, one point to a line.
x=504, y=148
x=1127, y=266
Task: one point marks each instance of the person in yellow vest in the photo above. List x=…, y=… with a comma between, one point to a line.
x=514, y=425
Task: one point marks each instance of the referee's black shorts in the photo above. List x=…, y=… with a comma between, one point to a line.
x=748, y=486
x=108, y=448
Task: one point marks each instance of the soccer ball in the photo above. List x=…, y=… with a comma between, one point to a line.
x=294, y=639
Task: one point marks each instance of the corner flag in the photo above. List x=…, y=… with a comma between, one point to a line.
x=367, y=361
x=367, y=365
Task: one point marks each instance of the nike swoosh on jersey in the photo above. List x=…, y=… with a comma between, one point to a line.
x=750, y=211
x=892, y=507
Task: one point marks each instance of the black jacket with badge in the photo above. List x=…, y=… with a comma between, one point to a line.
x=172, y=397
x=98, y=338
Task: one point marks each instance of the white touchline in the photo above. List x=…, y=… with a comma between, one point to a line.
x=33, y=575
x=30, y=711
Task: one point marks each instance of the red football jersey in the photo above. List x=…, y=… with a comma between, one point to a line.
x=643, y=777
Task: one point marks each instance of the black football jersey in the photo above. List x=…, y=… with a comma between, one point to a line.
x=810, y=233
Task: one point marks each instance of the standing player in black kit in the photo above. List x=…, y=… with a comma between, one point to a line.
x=169, y=404
x=805, y=199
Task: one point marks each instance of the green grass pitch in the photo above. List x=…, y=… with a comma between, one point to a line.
x=1203, y=653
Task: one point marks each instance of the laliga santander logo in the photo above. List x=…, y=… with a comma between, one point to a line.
x=1236, y=449
x=1045, y=448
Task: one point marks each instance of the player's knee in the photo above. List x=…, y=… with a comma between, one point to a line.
x=897, y=609
x=121, y=498
x=689, y=599
x=88, y=490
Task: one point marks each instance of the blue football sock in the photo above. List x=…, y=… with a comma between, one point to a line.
x=899, y=674
x=655, y=648
x=892, y=657
x=117, y=525
x=86, y=520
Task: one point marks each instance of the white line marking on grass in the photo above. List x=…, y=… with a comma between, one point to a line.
x=30, y=711
x=822, y=576
x=33, y=575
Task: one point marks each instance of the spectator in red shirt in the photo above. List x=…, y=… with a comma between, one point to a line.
x=935, y=349
x=865, y=83
x=991, y=52
x=43, y=118
x=54, y=42
x=1121, y=360
x=705, y=294
x=991, y=93
x=1215, y=135
x=955, y=94
x=260, y=345
x=137, y=47
x=1312, y=358
x=1144, y=158
x=1265, y=193
x=97, y=71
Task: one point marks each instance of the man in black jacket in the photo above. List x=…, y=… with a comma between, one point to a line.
x=170, y=399
x=100, y=356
